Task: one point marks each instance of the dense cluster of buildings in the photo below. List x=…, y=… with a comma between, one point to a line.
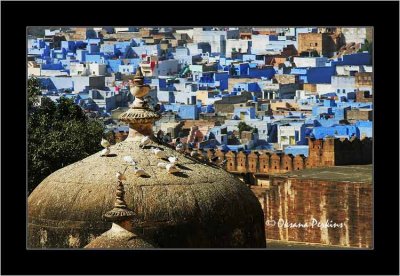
x=262, y=100
x=285, y=83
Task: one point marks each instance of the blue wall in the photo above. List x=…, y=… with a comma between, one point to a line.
x=54, y=83
x=81, y=55
x=348, y=130
x=52, y=66
x=108, y=48
x=223, y=79
x=68, y=45
x=268, y=72
x=94, y=58
x=188, y=112
x=365, y=127
x=320, y=74
x=296, y=150
x=355, y=59
x=113, y=65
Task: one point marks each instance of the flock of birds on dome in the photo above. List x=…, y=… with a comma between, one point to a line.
x=169, y=164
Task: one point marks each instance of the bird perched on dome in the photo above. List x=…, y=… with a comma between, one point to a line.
x=171, y=168
x=159, y=153
x=105, y=152
x=128, y=159
x=139, y=172
x=180, y=147
x=104, y=143
x=162, y=165
x=173, y=159
x=214, y=159
x=146, y=140
x=120, y=176
x=223, y=163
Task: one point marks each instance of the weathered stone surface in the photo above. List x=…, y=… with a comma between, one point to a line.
x=118, y=237
x=339, y=198
x=202, y=206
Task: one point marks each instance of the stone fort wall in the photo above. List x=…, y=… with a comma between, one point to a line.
x=322, y=153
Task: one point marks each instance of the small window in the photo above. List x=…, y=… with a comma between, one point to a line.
x=316, y=44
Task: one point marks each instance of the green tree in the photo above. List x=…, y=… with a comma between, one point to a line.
x=58, y=134
x=367, y=46
x=242, y=126
x=33, y=92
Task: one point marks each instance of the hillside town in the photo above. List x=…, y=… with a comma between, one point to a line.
x=281, y=108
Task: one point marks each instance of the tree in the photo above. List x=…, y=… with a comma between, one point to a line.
x=367, y=46
x=33, y=92
x=242, y=126
x=58, y=134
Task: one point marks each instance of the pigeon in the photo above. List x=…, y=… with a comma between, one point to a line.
x=129, y=159
x=173, y=159
x=194, y=153
x=162, y=165
x=159, y=153
x=214, y=159
x=140, y=172
x=223, y=163
x=171, y=168
x=179, y=147
x=120, y=176
x=104, y=143
x=105, y=152
x=145, y=141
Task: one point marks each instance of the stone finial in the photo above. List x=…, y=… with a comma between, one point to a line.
x=138, y=78
x=120, y=212
x=139, y=116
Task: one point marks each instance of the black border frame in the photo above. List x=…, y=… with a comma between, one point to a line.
x=384, y=259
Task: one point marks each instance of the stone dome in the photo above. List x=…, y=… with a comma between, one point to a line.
x=118, y=237
x=202, y=206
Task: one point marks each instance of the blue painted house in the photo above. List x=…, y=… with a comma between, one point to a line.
x=187, y=112
x=346, y=131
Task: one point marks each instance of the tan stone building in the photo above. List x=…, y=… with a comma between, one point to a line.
x=325, y=44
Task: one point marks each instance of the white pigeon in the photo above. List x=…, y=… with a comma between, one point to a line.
x=104, y=143
x=140, y=172
x=105, y=152
x=173, y=159
x=145, y=141
x=171, y=168
x=128, y=159
x=162, y=165
x=120, y=176
x=159, y=153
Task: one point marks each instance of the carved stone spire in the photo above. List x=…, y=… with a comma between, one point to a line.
x=120, y=212
x=139, y=117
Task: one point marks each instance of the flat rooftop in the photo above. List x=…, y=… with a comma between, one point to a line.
x=353, y=173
